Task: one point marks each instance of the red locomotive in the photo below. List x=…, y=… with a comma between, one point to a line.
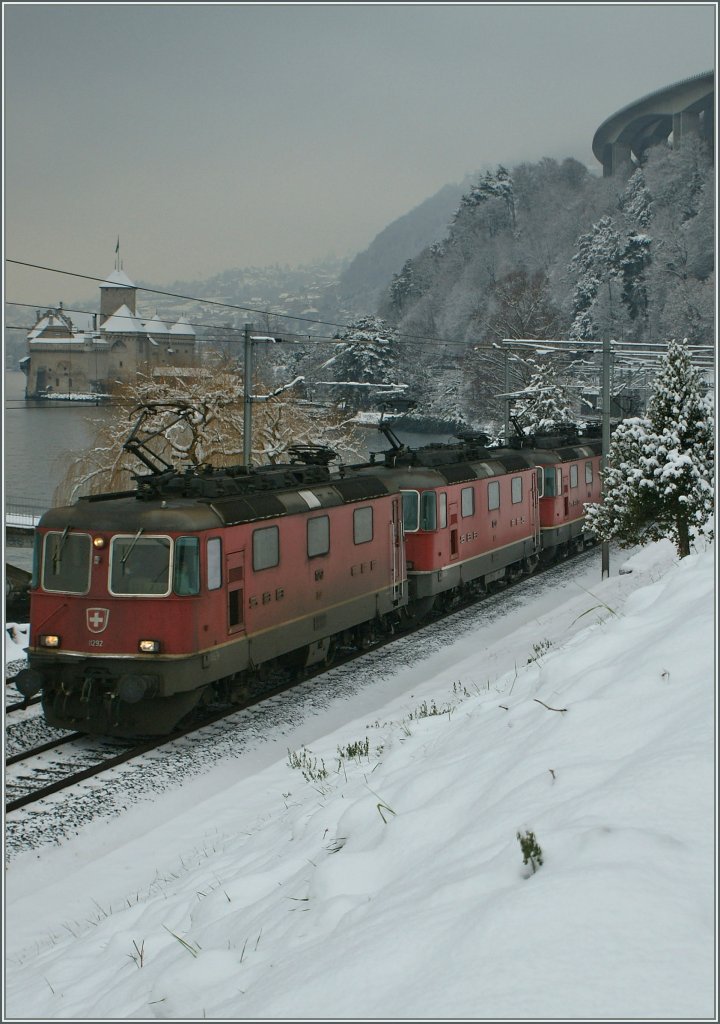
x=197, y=584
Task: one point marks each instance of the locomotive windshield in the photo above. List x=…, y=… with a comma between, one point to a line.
x=66, y=562
x=140, y=565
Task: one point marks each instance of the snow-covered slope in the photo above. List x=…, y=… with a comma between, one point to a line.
x=387, y=881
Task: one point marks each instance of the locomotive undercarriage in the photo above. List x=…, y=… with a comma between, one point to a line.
x=131, y=698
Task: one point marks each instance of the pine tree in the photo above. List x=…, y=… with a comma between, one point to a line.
x=366, y=355
x=660, y=477
x=545, y=402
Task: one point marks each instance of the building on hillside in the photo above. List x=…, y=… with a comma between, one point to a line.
x=67, y=362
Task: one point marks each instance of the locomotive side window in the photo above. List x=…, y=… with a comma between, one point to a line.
x=363, y=525
x=588, y=473
x=443, y=510
x=318, y=536
x=186, y=575
x=66, y=562
x=266, y=547
x=540, y=482
x=516, y=489
x=549, y=482
x=467, y=501
x=573, y=476
x=214, y=563
x=140, y=565
x=428, y=511
x=411, y=510
x=493, y=495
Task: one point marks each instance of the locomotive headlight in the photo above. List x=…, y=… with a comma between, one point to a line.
x=49, y=640
x=98, y=542
x=149, y=646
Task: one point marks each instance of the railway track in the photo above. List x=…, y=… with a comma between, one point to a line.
x=39, y=779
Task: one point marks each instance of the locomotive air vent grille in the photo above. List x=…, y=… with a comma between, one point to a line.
x=235, y=574
x=360, y=488
x=456, y=474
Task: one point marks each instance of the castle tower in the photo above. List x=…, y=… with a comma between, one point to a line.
x=116, y=290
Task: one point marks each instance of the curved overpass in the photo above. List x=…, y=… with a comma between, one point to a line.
x=684, y=108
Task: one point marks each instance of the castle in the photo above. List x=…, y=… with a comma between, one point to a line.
x=66, y=362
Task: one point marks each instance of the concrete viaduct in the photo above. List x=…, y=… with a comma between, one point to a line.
x=681, y=109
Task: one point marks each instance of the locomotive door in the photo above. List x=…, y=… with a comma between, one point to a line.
x=396, y=549
x=454, y=540
x=235, y=576
x=536, y=484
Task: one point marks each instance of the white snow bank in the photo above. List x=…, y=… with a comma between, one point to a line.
x=393, y=886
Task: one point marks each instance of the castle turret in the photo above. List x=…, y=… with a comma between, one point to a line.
x=116, y=290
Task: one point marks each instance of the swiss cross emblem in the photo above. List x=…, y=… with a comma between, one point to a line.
x=97, y=619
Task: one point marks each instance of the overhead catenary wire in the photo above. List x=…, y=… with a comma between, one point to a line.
x=570, y=345
x=210, y=302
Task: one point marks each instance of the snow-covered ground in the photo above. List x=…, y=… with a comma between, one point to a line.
x=377, y=871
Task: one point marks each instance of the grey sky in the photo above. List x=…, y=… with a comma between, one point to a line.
x=213, y=136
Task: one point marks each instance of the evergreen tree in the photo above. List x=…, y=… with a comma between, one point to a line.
x=660, y=476
x=546, y=402
x=636, y=201
x=366, y=355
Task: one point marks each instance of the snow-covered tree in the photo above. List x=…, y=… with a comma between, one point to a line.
x=365, y=357
x=523, y=307
x=545, y=402
x=196, y=419
x=636, y=201
x=660, y=476
x=610, y=288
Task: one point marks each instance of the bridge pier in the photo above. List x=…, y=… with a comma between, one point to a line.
x=616, y=158
x=684, y=123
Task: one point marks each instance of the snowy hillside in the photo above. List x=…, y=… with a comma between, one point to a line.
x=377, y=872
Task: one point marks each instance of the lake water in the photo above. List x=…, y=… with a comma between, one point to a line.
x=38, y=441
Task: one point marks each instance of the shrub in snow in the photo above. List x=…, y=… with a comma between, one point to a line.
x=531, y=851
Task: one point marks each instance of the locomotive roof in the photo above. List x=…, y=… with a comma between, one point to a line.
x=424, y=467
x=177, y=512
x=203, y=498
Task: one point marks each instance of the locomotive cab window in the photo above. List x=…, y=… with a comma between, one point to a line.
x=411, y=511
x=540, y=482
x=66, y=562
x=140, y=565
x=467, y=501
x=428, y=511
x=186, y=574
x=493, y=495
x=363, y=525
x=588, y=473
x=573, y=476
x=266, y=548
x=318, y=536
x=516, y=490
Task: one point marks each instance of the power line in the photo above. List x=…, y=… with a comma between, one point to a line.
x=210, y=302
x=402, y=337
